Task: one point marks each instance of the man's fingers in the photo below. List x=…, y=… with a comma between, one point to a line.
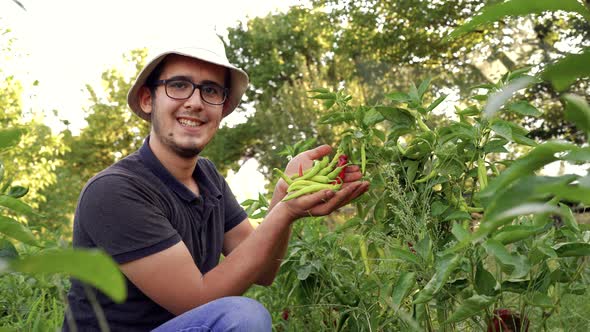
x=340, y=198
x=359, y=190
x=352, y=177
x=352, y=169
x=318, y=152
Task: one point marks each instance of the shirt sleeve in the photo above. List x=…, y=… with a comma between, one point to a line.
x=124, y=218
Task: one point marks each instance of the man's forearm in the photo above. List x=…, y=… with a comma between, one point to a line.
x=255, y=260
x=274, y=263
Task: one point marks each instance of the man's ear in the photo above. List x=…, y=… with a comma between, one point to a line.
x=145, y=99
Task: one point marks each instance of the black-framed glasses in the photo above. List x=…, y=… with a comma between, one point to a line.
x=180, y=89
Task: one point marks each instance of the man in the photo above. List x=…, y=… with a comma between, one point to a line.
x=165, y=214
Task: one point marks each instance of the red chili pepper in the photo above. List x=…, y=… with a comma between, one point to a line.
x=300, y=170
x=342, y=160
x=286, y=314
x=506, y=320
x=411, y=246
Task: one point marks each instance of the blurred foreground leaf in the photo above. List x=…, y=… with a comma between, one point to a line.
x=91, y=266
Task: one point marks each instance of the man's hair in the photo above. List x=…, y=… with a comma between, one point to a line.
x=150, y=82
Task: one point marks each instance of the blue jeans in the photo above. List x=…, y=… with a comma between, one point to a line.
x=234, y=313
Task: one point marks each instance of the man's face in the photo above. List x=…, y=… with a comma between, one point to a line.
x=185, y=126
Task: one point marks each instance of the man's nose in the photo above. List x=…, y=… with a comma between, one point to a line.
x=195, y=100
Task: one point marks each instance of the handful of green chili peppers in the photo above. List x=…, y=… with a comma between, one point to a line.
x=324, y=174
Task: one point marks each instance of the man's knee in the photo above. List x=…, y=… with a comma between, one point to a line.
x=245, y=314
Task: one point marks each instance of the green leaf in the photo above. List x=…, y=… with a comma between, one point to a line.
x=540, y=156
x=470, y=307
x=496, y=146
x=424, y=248
x=568, y=218
x=499, y=218
x=469, y=111
x=16, y=205
x=546, y=250
x=458, y=215
x=485, y=283
x=398, y=97
x=459, y=232
x=514, y=233
x=577, y=111
x=437, y=208
x=7, y=250
x=495, y=12
x=325, y=96
x=402, y=288
x=499, y=98
x=17, y=191
x=566, y=70
x=304, y=271
x=503, y=129
x=404, y=255
x=487, y=86
x=17, y=231
x=328, y=103
x=320, y=90
x=336, y=117
x=444, y=267
x=372, y=117
x=396, y=115
x=436, y=103
x=572, y=249
x=518, y=73
x=516, y=266
x=524, y=108
x=579, y=155
x=423, y=87
x=541, y=300
x=414, y=96
x=90, y=266
x=10, y=137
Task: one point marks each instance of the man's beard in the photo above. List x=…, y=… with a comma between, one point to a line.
x=168, y=140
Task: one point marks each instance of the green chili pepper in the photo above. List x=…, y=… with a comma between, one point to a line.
x=328, y=168
x=312, y=172
x=321, y=179
x=311, y=189
x=283, y=176
x=482, y=175
x=363, y=158
x=298, y=184
x=365, y=255
x=332, y=175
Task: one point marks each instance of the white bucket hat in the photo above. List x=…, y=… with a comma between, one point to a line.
x=210, y=49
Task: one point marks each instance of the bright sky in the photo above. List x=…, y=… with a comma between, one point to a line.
x=67, y=44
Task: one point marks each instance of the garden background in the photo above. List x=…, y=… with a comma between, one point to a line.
x=470, y=119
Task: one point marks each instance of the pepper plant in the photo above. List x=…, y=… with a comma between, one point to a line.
x=460, y=230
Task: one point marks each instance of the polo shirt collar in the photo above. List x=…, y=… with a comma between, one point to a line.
x=208, y=190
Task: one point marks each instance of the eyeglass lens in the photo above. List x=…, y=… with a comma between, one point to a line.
x=182, y=89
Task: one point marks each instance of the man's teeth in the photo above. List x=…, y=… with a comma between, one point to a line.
x=189, y=123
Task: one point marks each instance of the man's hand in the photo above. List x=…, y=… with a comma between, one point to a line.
x=323, y=202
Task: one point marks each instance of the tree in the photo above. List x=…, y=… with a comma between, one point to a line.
x=33, y=161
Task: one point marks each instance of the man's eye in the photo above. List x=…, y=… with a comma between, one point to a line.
x=212, y=90
x=178, y=85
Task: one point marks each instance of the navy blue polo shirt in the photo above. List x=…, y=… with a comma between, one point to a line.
x=136, y=208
